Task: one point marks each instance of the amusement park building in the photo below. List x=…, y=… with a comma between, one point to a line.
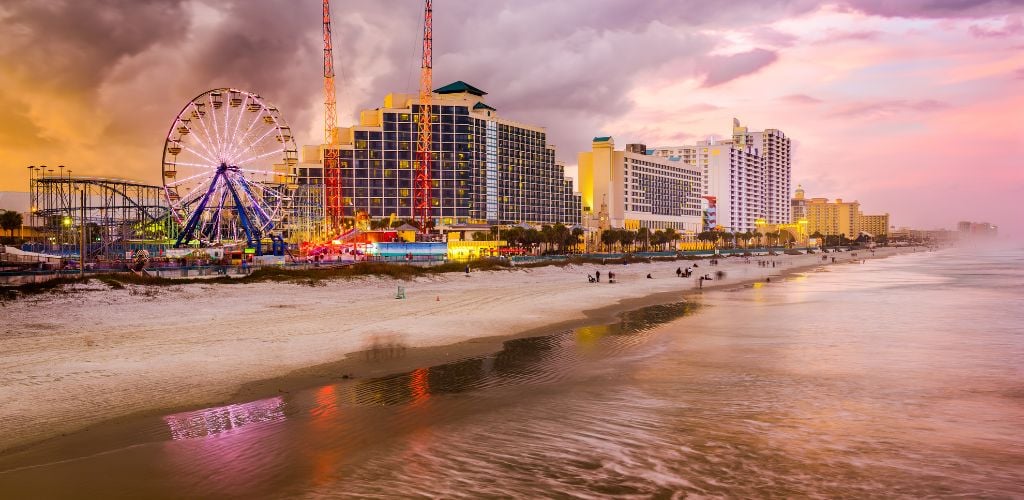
x=486, y=169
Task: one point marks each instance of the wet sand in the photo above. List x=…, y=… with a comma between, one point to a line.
x=75, y=360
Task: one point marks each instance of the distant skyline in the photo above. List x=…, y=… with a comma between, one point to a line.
x=915, y=107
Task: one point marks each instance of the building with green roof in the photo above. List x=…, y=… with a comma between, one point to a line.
x=487, y=169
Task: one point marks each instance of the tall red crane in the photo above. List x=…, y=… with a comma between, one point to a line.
x=333, y=200
x=424, y=148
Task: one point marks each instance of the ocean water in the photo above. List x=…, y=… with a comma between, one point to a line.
x=899, y=377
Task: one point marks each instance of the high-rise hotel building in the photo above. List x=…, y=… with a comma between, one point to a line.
x=841, y=218
x=635, y=189
x=775, y=150
x=745, y=179
x=486, y=169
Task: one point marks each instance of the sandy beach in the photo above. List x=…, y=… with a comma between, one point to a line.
x=89, y=354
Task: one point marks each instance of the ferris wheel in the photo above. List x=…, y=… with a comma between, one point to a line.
x=227, y=165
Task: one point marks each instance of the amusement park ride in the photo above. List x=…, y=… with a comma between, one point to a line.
x=333, y=198
x=424, y=147
x=229, y=180
x=228, y=158
x=225, y=167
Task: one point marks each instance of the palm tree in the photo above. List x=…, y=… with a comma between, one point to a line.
x=757, y=236
x=628, y=237
x=532, y=237
x=672, y=236
x=643, y=235
x=608, y=239
x=560, y=234
x=577, y=235
x=658, y=239
x=547, y=237
x=818, y=238
x=10, y=220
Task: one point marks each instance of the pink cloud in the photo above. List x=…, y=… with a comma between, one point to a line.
x=842, y=36
x=889, y=107
x=700, y=108
x=928, y=8
x=800, y=99
x=771, y=36
x=722, y=69
x=1013, y=25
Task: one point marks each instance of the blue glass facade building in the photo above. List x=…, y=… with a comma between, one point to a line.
x=485, y=169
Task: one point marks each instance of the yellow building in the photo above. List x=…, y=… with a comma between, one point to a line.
x=875, y=225
x=836, y=218
x=469, y=250
x=842, y=218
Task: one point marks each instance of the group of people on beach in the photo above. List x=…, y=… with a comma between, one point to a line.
x=680, y=273
x=596, y=277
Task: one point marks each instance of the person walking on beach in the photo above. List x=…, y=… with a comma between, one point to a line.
x=679, y=272
x=598, y=275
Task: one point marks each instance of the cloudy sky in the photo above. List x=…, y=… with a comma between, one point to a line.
x=913, y=107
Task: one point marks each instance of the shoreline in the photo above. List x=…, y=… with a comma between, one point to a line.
x=356, y=362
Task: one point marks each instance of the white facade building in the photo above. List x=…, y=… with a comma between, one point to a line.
x=640, y=190
x=775, y=149
x=745, y=179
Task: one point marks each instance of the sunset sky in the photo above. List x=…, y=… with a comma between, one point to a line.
x=912, y=107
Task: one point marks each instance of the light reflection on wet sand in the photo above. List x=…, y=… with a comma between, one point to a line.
x=899, y=377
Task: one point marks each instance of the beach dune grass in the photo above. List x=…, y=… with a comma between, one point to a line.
x=315, y=276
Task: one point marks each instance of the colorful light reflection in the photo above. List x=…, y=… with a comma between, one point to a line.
x=213, y=421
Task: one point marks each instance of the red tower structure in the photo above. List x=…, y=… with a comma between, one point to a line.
x=333, y=200
x=424, y=143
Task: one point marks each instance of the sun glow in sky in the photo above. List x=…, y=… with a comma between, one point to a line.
x=915, y=108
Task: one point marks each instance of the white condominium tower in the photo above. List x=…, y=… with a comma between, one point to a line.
x=775, y=151
x=744, y=179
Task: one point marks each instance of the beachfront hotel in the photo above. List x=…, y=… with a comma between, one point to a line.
x=841, y=218
x=775, y=150
x=487, y=169
x=635, y=189
x=744, y=180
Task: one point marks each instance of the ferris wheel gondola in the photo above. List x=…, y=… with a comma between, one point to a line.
x=226, y=167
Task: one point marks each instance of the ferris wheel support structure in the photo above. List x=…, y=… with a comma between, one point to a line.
x=227, y=169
